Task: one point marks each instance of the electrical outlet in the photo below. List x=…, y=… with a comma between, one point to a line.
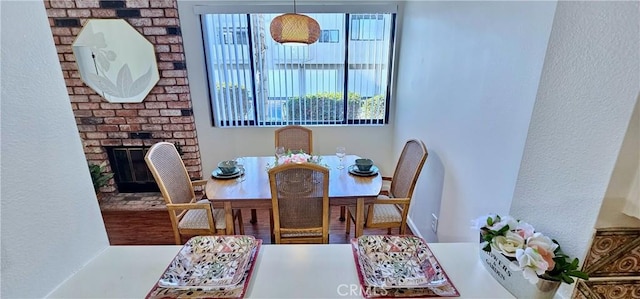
x=434, y=223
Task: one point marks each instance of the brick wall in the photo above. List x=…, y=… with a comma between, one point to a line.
x=166, y=113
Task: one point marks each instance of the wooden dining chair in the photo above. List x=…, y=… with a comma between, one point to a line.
x=300, y=203
x=391, y=207
x=292, y=138
x=189, y=216
x=295, y=138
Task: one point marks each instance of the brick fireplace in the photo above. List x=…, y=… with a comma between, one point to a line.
x=164, y=115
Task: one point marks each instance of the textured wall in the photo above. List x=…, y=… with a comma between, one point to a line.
x=51, y=223
x=165, y=113
x=588, y=89
x=622, y=193
x=467, y=78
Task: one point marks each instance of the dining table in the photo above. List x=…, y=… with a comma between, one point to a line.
x=252, y=189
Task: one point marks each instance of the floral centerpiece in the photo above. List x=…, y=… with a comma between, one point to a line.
x=536, y=255
x=297, y=157
x=294, y=181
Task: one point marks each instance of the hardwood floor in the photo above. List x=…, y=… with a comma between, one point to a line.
x=153, y=227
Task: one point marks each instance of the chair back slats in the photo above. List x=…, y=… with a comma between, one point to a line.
x=294, y=138
x=300, y=200
x=170, y=173
x=408, y=169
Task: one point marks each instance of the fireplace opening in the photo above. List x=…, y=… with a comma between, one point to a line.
x=131, y=173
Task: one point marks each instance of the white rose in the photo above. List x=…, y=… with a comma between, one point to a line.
x=506, y=220
x=508, y=244
x=531, y=263
x=540, y=241
x=524, y=229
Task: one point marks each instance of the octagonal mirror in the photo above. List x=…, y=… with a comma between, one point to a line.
x=116, y=61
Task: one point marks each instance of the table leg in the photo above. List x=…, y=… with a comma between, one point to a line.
x=273, y=236
x=228, y=215
x=343, y=210
x=254, y=217
x=359, y=217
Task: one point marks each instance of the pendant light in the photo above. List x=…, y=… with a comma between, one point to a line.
x=294, y=29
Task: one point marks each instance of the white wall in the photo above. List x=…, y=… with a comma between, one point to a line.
x=621, y=199
x=588, y=88
x=51, y=223
x=631, y=206
x=468, y=76
x=223, y=143
x=628, y=159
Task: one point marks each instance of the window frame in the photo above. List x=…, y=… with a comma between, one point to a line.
x=329, y=32
x=359, y=37
x=197, y=67
x=234, y=33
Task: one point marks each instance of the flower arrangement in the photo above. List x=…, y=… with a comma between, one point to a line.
x=297, y=157
x=531, y=252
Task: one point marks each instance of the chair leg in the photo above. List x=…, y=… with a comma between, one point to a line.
x=240, y=223
x=254, y=217
x=177, y=237
x=272, y=233
x=348, y=224
x=342, y=212
x=388, y=231
x=174, y=225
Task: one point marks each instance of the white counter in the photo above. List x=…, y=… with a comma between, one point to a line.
x=282, y=271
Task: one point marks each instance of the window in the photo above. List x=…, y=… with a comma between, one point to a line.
x=367, y=27
x=328, y=36
x=236, y=36
x=254, y=81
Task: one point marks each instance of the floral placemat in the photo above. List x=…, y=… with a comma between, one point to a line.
x=210, y=245
x=399, y=266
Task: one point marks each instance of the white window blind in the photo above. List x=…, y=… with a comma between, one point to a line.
x=254, y=81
